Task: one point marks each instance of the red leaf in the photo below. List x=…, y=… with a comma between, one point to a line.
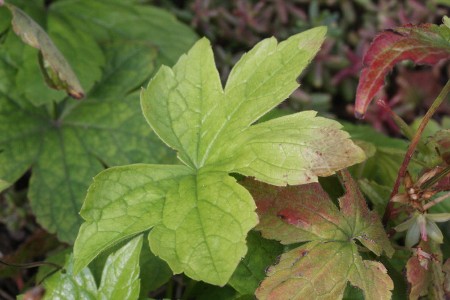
x=423, y=44
x=425, y=273
x=321, y=268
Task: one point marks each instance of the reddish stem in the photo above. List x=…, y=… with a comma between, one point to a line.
x=412, y=147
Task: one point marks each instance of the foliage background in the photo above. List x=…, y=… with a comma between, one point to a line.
x=328, y=86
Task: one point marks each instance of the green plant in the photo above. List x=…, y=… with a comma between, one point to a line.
x=198, y=215
x=67, y=142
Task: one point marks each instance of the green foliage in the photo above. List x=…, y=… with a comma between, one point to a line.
x=200, y=216
x=251, y=270
x=120, y=278
x=56, y=69
x=197, y=216
x=66, y=142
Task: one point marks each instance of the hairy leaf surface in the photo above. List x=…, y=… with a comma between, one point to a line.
x=422, y=44
x=201, y=217
x=321, y=268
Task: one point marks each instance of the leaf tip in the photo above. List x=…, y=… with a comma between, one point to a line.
x=321, y=30
x=359, y=114
x=78, y=95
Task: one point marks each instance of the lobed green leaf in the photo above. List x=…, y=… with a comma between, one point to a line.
x=200, y=218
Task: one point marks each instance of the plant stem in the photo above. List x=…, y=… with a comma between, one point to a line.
x=405, y=128
x=31, y=265
x=412, y=147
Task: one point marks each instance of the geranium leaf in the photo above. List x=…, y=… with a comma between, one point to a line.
x=281, y=211
x=128, y=22
x=68, y=142
x=365, y=225
x=187, y=108
x=322, y=267
x=423, y=44
x=425, y=272
x=321, y=271
x=206, y=215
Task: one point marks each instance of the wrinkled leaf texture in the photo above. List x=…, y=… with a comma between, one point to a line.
x=321, y=268
x=198, y=214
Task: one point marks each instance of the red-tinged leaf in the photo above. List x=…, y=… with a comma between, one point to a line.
x=366, y=226
x=422, y=44
x=322, y=268
x=321, y=271
x=307, y=207
x=305, y=213
x=424, y=272
x=418, y=278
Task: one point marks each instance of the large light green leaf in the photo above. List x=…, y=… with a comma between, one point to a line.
x=321, y=268
x=67, y=143
x=200, y=215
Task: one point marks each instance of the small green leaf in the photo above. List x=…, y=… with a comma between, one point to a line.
x=120, y=278
x=56, y=69
x=65, y=285
x=251, y=270
x=383, y=166
x=377, y=194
